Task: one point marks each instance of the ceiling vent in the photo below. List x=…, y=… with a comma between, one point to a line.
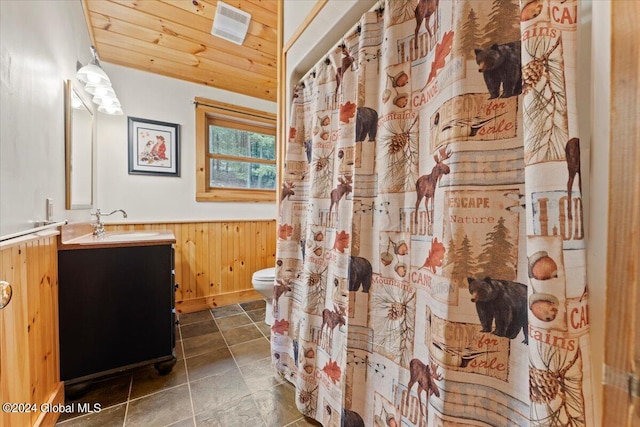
x=230, y=23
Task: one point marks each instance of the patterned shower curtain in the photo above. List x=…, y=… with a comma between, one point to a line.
x=431, y=254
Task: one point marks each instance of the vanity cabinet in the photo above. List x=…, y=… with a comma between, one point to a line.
x=116, y=309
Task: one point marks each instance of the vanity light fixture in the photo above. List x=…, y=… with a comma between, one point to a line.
x=98, y=84
x=93, y=73
x=105, y=96
x=109, y=105
x=97, y=89
x=110, y=109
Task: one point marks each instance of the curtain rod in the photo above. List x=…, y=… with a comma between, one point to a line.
x=231, y=110
x=356, y=28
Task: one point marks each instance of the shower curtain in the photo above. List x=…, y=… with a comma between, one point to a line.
x=431, y=254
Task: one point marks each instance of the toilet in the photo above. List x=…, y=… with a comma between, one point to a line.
x=262, y=282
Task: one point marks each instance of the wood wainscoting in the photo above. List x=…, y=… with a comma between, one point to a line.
x=215, y=259
x=29, y=353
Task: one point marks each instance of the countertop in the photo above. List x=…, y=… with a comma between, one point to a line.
x=73, y=240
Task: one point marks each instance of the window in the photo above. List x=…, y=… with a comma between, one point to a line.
x=236, y=153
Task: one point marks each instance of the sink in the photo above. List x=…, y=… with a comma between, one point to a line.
x=130, y=236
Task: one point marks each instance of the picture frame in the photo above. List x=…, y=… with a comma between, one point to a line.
x=154, y=147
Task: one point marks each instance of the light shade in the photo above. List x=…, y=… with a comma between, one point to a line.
x=97, y=89
x=106, y=97
x=110, y=109
x=92, y=73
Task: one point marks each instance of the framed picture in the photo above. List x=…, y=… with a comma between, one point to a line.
x=154, y=147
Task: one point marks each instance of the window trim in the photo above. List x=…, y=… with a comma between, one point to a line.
x=244, y=118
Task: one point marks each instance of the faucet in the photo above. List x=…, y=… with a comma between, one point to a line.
x=98, y=226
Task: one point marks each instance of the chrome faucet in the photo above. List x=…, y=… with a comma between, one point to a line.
x=98, y=226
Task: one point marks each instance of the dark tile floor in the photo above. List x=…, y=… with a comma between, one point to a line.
x=223, y=377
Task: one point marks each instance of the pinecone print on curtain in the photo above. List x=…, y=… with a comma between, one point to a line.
x=555, y=388
x=545, y=99
x=399, y=155
x=436, y=282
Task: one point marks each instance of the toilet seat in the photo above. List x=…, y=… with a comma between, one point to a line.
x=266, y=275
x=262, y=284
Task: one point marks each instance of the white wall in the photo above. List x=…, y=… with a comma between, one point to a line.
x=40, y=42
x=162, y=198
x=294, y=10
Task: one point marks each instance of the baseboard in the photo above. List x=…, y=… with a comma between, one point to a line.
x=49, y=418
x=204, y=303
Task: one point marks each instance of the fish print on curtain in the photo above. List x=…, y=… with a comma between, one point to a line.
x=430, y=261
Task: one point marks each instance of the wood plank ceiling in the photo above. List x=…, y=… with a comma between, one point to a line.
x=173, y=38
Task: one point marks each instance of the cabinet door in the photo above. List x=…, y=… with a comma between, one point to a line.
x=115, y=308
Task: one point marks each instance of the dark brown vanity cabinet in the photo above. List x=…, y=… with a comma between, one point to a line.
x=116, y=310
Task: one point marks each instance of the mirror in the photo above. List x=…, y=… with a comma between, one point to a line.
x=78, y=150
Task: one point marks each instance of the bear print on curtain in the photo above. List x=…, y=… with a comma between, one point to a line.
x=431, y=271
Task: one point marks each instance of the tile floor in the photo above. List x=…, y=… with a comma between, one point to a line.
x=223, y=377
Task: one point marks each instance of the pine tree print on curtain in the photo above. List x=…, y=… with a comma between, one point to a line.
x=426, y=279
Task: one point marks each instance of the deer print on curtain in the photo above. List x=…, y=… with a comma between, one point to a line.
x=433, y=268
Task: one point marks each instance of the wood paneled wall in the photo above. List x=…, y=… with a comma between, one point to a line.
x=215, y=260
x=29, y=355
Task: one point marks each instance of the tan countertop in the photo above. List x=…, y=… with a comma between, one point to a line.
x=112, y=239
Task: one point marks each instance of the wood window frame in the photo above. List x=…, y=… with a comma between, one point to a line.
x=242, y=118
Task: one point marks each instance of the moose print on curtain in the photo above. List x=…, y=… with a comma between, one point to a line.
x=430, y=261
